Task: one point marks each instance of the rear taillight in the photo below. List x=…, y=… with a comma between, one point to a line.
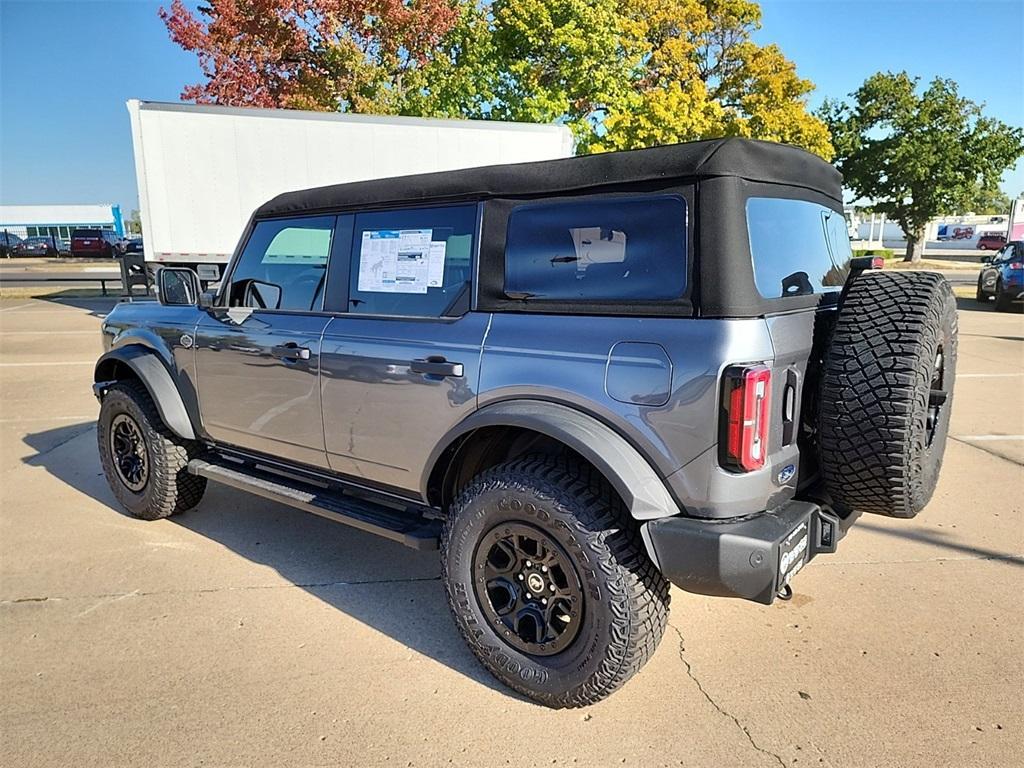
x=1016, y=265
x=746, y=394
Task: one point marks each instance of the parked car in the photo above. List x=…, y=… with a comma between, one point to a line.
x=37, y=245
x=133, y=245
x=579, y=378
x=8, y=240
x=1003, y=278
x=991, y=241
x=104, y=243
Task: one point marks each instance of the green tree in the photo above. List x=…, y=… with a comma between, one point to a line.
x=620, y=73
x=986, y=197
x=917, y=154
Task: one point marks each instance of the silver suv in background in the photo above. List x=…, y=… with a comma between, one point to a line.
x=581, y=379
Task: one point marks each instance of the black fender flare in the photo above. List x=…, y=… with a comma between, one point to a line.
x=630, y=474
x=146, y=364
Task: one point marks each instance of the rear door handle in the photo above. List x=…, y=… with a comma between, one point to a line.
x=290, y=351
x=436, y=366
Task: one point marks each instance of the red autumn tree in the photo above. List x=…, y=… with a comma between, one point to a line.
x=307, y=54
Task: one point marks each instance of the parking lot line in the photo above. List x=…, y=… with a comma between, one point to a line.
x=48, y=362
x=989, y=437
x=47, y=333
x=987, y=375
x=90, y=417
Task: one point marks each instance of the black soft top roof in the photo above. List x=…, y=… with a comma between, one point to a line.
x=744, y=158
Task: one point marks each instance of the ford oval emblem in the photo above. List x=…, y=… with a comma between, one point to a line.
x=786, y=474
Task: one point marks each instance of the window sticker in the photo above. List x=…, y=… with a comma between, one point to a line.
x=435, y=269
x=597, y=245
x=394, y=260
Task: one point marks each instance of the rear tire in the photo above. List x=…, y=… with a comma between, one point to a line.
x=886, y=392
x=152, y=481
x=1003, y=302
x=617, y=597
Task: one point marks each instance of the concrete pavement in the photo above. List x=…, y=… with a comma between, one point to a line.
x=245, y=633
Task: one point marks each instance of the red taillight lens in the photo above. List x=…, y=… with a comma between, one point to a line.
x=746, y=398
x=1016, y=265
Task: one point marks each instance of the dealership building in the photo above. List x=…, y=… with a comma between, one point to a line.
x=59, y=220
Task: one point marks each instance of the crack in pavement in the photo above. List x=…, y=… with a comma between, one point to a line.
x=724, y=712
x=985, y=450
x=211, y=590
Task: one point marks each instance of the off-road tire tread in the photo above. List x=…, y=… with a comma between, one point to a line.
x=876, y=368
x=637, y=593
x=172, y=488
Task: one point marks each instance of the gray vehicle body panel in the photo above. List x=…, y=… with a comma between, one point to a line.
x=382, y=420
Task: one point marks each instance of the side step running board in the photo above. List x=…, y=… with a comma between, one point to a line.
x=409, y=529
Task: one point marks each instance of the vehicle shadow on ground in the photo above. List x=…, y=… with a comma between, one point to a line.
x=97, y=306
x=943, y=540
x=393, y=589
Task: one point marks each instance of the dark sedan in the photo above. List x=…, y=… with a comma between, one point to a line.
x=37, y=245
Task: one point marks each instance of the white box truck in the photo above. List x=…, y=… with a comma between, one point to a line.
x=202, y=170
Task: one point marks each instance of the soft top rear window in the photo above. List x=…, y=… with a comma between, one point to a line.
x=86, y=233
x=604, y=249
x=798, y=247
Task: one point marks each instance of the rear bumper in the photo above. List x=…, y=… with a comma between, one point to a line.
x=752, y=558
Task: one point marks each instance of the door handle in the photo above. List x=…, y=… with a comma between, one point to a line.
x=290, y=351
x=436, y=366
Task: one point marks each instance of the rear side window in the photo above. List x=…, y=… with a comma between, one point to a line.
x=610, y=249
x=413, y=262
x=798, y=247
x=284, y=265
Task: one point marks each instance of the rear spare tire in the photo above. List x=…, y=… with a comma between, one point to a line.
x=886, y=392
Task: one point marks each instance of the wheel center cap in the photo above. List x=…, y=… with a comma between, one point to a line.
x=535, y=582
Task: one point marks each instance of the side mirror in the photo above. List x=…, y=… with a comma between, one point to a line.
x=177, y=287
x=986, y=259
x=262, y=295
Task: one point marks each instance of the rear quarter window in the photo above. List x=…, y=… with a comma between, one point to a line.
x=603, y=249
x=798, y=247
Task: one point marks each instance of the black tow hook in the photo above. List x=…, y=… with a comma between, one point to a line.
x=786, y=593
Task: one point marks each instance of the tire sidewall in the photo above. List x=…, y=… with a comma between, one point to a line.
x=539, y=677
x=928, y=457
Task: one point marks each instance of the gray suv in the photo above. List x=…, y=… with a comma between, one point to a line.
x=580, y=379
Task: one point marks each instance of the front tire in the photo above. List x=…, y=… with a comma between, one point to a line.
x=145, y=463
x=537, y=527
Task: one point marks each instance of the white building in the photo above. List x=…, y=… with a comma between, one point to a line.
x=59, y=220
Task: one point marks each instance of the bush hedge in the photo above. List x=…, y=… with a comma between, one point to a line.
x=885, y=253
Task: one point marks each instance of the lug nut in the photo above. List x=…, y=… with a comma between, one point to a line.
x=528, y=564
x=544, y=568
x=529, y=596
x=543, y=601
x=520, y=577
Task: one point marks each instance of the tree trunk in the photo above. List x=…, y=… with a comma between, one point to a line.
x=915, y=246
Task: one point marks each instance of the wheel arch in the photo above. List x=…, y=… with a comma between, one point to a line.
x=507, y=429
x=141, y=363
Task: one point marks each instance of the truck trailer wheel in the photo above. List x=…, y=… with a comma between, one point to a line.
x=145, y=463
x=549, y=581
x=886, y=392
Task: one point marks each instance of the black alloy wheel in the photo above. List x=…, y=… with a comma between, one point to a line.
x=528, y=588
x=937, y=395
x=128, y=449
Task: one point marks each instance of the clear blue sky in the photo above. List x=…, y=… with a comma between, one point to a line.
x=67, y=68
